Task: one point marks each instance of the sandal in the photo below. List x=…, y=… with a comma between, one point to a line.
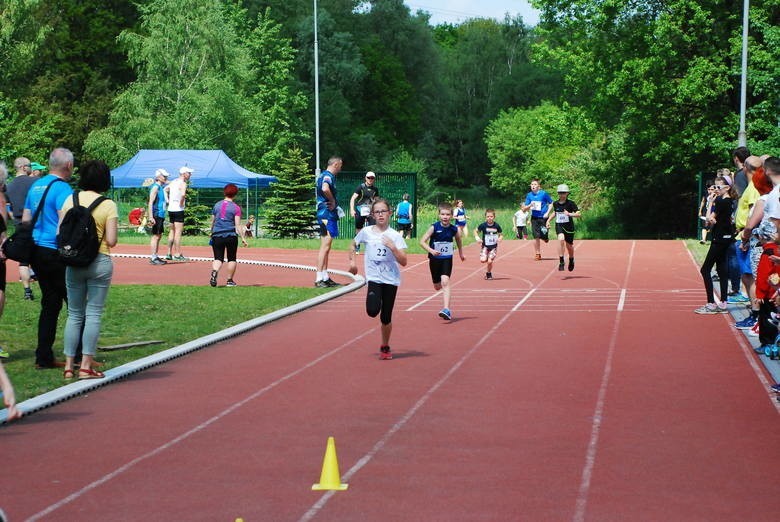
x=90, y=374
x=68, y=374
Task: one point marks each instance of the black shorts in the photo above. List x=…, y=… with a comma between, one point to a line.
x=439, y=267
x=2, y=276
x=222, y=245
x=176, y=217
x=157, y=228
x=568, y=234
x=362, y=221
x=537, y=223
x=521, y=231
x=402, y=227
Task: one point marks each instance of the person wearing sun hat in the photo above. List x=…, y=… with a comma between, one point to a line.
x=177, y=193
x=564, y=212
x=360, y=204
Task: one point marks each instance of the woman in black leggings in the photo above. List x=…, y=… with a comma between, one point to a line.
x=719, y=218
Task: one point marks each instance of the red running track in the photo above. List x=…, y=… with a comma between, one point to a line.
x=593, y=395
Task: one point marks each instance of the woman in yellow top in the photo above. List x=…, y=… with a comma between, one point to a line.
x=88, y=286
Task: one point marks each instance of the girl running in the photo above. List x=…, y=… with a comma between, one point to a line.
x=385, y=251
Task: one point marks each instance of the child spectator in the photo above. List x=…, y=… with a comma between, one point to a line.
x=385, y=251
x=491, y=235
x=249, y=227
x=519, y=220
x=767, y=330
x=703, y=210
x=437, y=241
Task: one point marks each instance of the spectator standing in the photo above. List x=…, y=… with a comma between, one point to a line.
x=17, y=193
x=176, y=193
x=738, y=156
x=158, y=204
x=360, y=204
x=46, y=260
x=519, y=220
x=749, y=215
x=404, y=217
x=88, y=286
x=704, y=210
x=327, y=218
x=3, y=235
x=225, y=231
x=249, y=228
x=385, y=251
x=723, y=232
x=538, y=202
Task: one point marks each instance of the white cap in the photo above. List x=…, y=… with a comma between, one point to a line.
x=161, y=172
x=185, y=170
x=370, y=174
x=563, y=187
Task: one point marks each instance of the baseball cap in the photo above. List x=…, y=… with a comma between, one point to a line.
x=370, y=174
x=161, y=172
x=37, y=166
x=563, y=187
x=185, y=169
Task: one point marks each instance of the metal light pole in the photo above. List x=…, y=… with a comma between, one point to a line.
x=742, y=135
x=317, y=96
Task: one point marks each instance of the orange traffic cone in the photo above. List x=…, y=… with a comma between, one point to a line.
x=330, y=478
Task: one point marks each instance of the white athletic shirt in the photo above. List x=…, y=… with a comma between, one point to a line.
x=520, y=218
x=380, y=263
x=176, y=191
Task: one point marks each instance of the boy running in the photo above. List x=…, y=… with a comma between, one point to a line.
x=491, y=235
x=564, y=211
x=437, y=241
x=385, y=251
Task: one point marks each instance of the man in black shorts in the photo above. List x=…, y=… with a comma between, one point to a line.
x=360, y=203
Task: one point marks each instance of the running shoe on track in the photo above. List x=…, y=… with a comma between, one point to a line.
x=331, y=283
x=445, y=314
x=709, y=308
x=738, y=298
x=571, y=265
x=776, y=388
x=230, y=282
x=561, y=266
x=385, y=354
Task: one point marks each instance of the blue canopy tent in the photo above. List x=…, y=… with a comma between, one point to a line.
x=213, y=169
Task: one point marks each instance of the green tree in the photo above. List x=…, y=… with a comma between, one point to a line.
x=289, y=210
x=191, y=86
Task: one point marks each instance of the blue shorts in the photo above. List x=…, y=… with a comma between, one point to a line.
x=328, y=227
x=743, y=259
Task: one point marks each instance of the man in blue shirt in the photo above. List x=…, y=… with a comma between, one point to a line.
x=327, y=218
x=538, y=202
x=46, y=260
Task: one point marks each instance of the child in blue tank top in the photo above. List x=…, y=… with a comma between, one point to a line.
x=438, y=242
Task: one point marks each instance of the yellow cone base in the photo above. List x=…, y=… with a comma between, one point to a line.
x=330, y=478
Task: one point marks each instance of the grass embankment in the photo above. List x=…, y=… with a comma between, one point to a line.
x=135, y=313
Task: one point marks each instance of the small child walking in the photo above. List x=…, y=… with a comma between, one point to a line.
x=385, y=250
x=437, y=241
x=520, y=219
x=491, y=236
x=564, y=212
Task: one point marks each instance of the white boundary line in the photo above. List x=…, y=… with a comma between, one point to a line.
x=74, y=389
x=382, y=442
x=590, y=456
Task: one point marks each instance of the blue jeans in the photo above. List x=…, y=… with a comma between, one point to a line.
x=735, y=274
x=87, y=292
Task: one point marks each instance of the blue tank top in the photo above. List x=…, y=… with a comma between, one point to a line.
x=442, y=239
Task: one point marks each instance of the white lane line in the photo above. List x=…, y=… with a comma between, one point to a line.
x=622, y=300
x=197, y=429
x=382, y=442
x=590, y=456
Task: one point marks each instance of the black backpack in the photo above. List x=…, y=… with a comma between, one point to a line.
x=77, y=240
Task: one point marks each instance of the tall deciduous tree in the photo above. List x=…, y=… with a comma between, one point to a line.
x=191, y=86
